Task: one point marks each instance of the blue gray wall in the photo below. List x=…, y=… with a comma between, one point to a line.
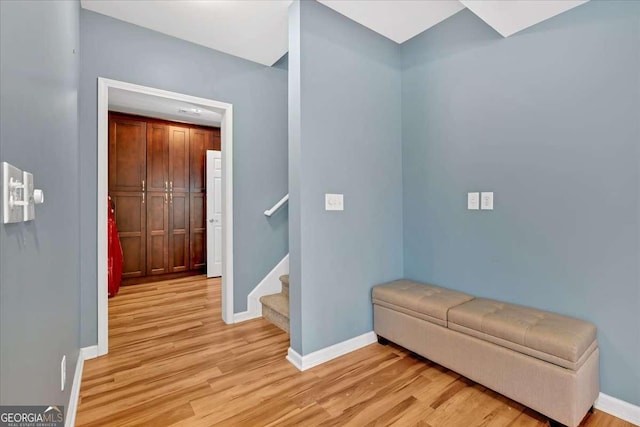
x=548, y=119
x=39, y=286
x=122, y=51
x=345, y=84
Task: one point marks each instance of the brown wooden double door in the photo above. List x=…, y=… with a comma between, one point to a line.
x=157, y=183
x=168, y=193
x=167, y=233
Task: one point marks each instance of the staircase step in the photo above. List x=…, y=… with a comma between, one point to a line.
x=275, y=308
x=285, y=283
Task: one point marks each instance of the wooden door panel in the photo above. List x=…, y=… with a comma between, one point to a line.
x=198, y=250
x=130, y=219
x=179, y=236
x=157, y=157
x=157, y=233
x=180, y=211
x=198, y=237
x=180, y=253
x=128, y=211
x=217, y=145
x=197, y=144
x=127, y=156
x=132, y=248
x=179, y=159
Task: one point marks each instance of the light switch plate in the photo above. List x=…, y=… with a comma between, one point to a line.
x=10, y=211
x=333, y=202
x=473, y=201
x=486, y=200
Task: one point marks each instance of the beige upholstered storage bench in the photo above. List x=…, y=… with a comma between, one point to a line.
x=543, y=360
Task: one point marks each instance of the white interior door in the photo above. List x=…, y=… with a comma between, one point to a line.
x=214, y=213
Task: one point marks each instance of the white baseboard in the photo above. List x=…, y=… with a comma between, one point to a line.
x=90, y=352
x=618, y=408
x=242, y=316
x=72, y=407
x=267, y=286
x=85, y=353
x=328, y=353
x=295, y=359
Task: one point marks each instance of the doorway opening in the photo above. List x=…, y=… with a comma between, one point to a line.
x=218, y=226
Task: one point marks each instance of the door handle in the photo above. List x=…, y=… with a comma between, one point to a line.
x=166, y=186
x=170, y=185
x=143, y=185
x=170, y=197
x=165, y=198
x=143, y=198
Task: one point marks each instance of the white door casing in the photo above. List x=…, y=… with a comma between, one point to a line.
x=226, y=130
x=214, y=213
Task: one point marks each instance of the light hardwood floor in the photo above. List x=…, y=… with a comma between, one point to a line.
x=172, y=361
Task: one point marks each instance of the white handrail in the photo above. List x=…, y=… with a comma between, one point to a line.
x=277, y=205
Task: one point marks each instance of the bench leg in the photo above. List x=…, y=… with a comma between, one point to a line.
x=382, y=340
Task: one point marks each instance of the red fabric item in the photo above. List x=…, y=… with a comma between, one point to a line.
x=116, y=257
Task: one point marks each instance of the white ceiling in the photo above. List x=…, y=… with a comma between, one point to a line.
x=257, y=29
x=398, y=20
x=509, y=17
x=161, y=108
x=252, y=29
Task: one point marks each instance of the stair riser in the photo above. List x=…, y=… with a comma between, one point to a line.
x=285, y=284
x=276, y=318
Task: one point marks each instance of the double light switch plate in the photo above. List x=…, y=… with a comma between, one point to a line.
x=477, y=200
